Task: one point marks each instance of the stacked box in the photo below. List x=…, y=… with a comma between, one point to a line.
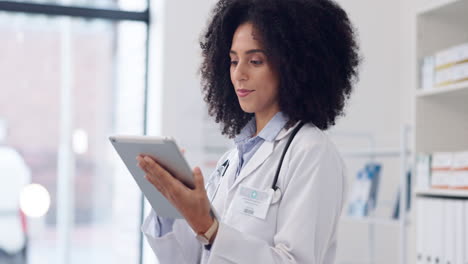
x=460, y=170
x=445, y=67
x=423, y=171
x=427, y=73
x=441, y=169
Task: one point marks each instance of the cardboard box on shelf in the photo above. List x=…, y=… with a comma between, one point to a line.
x=441, y=169
x=460, y=170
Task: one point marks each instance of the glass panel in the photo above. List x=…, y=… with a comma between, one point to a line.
x=105, y=66
x=29, y=108
x=127, y=5
x=108, y=99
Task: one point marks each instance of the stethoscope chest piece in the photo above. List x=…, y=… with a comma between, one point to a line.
x=276, y=196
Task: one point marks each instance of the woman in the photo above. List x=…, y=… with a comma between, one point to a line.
x=273, y=71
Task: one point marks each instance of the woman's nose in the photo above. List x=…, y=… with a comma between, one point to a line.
x=240, y=72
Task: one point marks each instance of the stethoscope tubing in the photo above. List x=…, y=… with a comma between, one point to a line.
x=225, y=164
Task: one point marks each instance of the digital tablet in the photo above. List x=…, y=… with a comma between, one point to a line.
x=166, y=152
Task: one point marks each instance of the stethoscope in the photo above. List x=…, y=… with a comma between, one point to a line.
x=223, y=168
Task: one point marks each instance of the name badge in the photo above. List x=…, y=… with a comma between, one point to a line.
x=253, y=202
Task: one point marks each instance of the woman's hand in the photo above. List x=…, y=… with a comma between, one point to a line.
x=192, y=204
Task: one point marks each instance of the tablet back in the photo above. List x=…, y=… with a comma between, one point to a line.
x=166, y=153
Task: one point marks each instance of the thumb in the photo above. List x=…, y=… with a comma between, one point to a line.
x=198, y=178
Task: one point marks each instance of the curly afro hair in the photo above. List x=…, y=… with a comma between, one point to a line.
x=312, y=45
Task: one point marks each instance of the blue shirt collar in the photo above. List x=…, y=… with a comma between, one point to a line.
x=268, y=133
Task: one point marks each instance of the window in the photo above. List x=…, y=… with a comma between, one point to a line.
x=128, y=5
x=77, y=80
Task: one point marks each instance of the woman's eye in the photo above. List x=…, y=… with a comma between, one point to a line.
x=234, y=62
x=256, y=62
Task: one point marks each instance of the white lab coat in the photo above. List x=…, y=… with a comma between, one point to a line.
x=301, y=224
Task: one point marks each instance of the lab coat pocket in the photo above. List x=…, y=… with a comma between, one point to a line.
x=254, y=211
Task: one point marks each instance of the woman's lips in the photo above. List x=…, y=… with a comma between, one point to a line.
x=243, y=92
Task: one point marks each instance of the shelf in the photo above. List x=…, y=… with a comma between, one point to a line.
x=372, y=220
x=376, y=153
x=456, y=90
x=440, y=119
x=443, y=7
x=440, y=113
x=440, y=24
x=442, y=193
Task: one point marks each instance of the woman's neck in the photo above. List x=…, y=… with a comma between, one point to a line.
x=262, y=119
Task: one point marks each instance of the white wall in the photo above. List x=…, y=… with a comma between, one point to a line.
x=380, y=103
x=176, y=105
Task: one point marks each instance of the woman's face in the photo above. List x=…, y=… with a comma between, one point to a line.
x=254, y=79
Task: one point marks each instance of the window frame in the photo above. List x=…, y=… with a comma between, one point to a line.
x=113, y=15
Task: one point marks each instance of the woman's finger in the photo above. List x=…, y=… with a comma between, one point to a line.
x=142, y=164
x=154, y=183
x=150, y=174
x=163, y=176
x=198, y=179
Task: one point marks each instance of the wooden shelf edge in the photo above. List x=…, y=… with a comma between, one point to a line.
x=442, y=193
x=462, y=86
x=433, y=6
x=373, y=220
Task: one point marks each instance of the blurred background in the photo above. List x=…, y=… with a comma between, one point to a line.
x=74, y=72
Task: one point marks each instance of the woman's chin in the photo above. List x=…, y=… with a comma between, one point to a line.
x=247, y=108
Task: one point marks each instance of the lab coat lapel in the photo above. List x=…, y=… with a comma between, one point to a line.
x=260, y=156
x=257, y=159
x=231, y=171
x=285, y=132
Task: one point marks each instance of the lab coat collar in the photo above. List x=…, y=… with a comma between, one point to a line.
x=260, y=156
x=285, y=132
x=268, y=133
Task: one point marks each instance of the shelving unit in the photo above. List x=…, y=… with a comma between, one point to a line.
x=441, y=113
x=402, y=153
